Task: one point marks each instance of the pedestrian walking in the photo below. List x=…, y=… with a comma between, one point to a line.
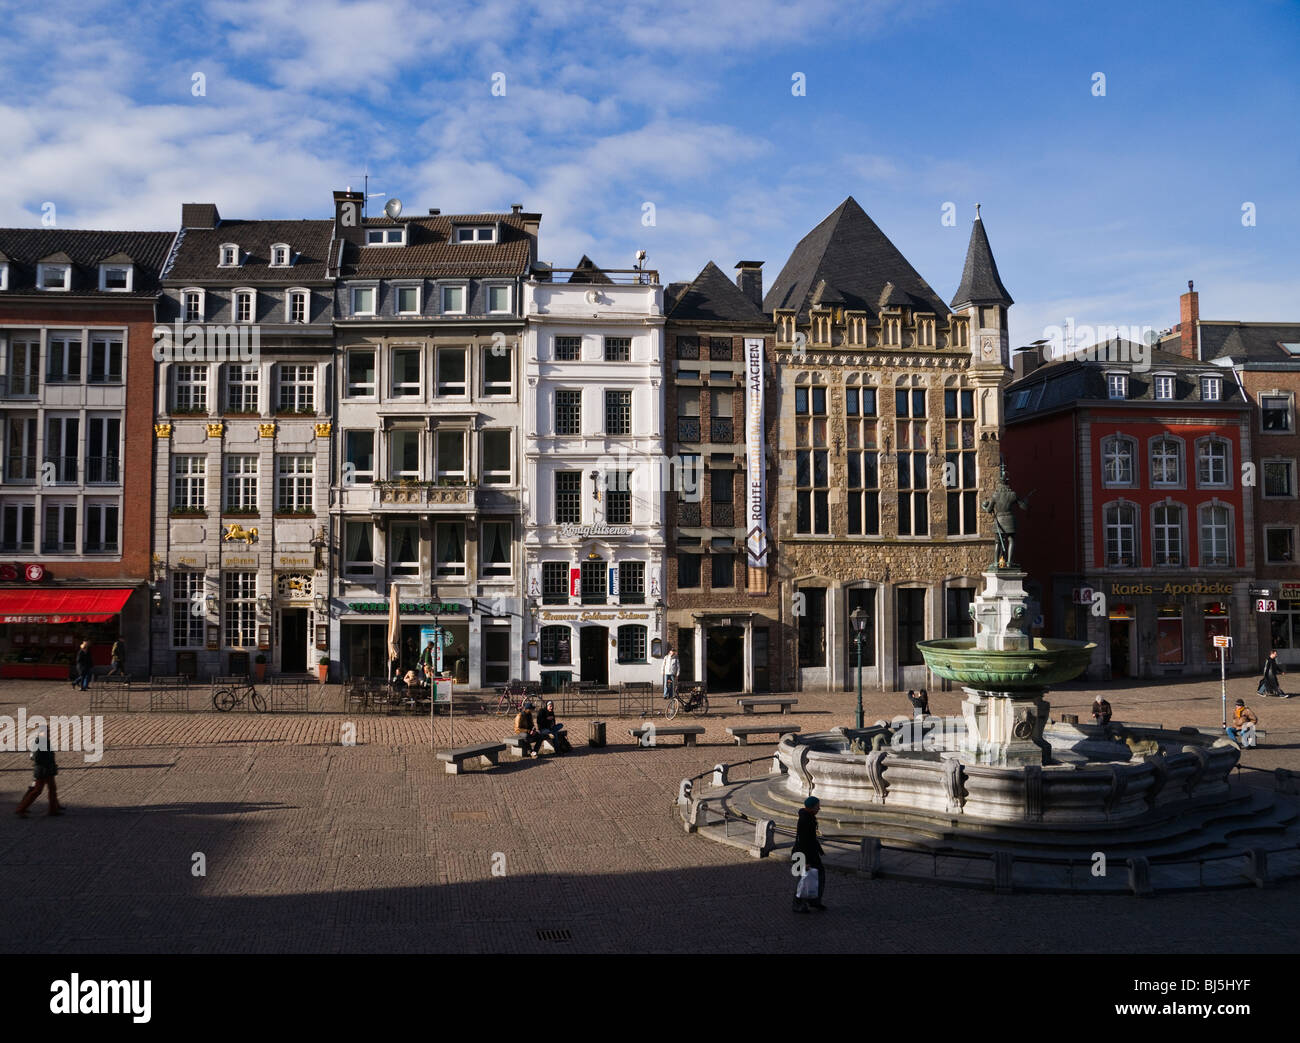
x=43, y=771
x=1269, y=684
x=806, y=844
x=1244, y=723
x=671, y=668
x=118, y=657
x=85, y=665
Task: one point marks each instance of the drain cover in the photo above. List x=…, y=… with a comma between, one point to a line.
x=558, y=935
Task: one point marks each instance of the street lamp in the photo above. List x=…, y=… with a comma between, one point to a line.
x=859, y=620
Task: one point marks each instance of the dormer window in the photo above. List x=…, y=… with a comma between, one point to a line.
x=1117, y=385
x=280, y=255
x=386, y=236
x=1164, y=386
x=476, y=234
x=53, y=276
x=229, y=256
x=1211, y=389
x=116, y=277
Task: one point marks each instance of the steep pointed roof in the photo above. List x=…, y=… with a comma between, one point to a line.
x=712, y=296
x=586, y=271
x=980, y=282
x=847, y=260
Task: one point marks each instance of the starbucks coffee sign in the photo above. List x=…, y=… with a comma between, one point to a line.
x=569, y=531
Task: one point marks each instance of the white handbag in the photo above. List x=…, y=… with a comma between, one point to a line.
x=807, y=885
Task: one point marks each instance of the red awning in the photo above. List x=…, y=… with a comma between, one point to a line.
x=62, y=606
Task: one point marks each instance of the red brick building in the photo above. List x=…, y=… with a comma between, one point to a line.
x=1140, y=534
x=76, y=409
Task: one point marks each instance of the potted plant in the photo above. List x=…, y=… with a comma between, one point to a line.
x=323, y=668
x=259, y=666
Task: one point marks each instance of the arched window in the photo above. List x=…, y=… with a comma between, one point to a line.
x=1117, y=467
x=1166, y=461
x=556, y=641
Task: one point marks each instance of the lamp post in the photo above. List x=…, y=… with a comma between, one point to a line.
x=859, y=620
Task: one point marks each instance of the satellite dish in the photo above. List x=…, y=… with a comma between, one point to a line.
x=393, y=208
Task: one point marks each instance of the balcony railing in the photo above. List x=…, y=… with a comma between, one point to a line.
x=20, y=468
x=688, y=514
x=58, y=546
x=20, y=385
x=688, y=429
x=102, y=469
x=419, y=494
x=65, y=468
x=722, y=429
x=723, y=515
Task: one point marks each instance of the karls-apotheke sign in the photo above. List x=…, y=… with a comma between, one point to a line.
x=1169, y=589
x=755, y=492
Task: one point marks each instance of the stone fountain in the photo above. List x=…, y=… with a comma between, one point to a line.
x=1004, y=782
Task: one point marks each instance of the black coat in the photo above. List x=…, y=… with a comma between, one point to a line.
x=1270, y=672
x=545, y=720
x=84, y=662
x=805, y=838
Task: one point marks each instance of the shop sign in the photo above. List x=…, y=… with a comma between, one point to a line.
x=452, y=608
x=33, y=573
x=1265, y=605
x=192, y=561
x=239, y=561
x=1169, y=589
x=294, y=561
x=589, y=617
x=1289, y=592
x=569, y=531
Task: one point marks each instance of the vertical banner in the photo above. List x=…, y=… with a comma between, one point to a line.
x=575, y=582
x=755, y=492
x=613, y=581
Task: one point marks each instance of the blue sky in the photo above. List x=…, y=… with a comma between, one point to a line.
x=1099, y=208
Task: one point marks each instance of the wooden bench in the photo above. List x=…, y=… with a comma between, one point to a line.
x=748, y=703
x=515, y=744
x=742, y=732
x=688, y=732
x=456, y=758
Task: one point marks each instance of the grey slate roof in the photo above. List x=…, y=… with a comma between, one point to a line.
x=1080, y=379
x=587, y=271
x=712, y=297
x=847, y=260
x=980, y=282
x=430, y=252
x=1249, y=341
x=199, y=249
x=85, y=250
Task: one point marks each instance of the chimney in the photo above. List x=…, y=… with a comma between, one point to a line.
x=516, y=208
x=1025, y=361
x=347, y=215
x=199, y=215
x=434, y=211
x=749, y=277
x=1189, y=314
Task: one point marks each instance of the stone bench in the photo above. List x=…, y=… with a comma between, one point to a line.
x=456, y=758
x=748, y=703
x=742, y=732
x=515, y=744
x=688, y=732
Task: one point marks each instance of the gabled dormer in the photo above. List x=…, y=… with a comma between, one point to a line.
x=54, y=273
x=230, y=256
x=281, y=255
x=117, y=274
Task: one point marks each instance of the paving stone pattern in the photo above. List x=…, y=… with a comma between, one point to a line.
x=311, y=846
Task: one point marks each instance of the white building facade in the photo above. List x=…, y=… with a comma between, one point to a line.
x=594, y=542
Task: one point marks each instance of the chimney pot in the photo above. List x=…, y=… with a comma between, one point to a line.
x=516, y=208
x=1189, y=314
x=434, y=211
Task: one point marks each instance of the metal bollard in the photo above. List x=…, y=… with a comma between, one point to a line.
x=764, y=837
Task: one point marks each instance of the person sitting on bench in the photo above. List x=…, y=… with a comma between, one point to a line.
x=1244, y=722
x=548, y=728
x=532, y=738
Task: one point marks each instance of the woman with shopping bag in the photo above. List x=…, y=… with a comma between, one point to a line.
x=812, y=881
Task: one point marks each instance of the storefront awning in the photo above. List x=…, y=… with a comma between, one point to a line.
x=62, y=606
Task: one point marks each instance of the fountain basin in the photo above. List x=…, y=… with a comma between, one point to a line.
x=1046, y=662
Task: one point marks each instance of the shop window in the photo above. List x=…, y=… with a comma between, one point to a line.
x=1217, y=622
x=632, y=643
x=685, y=655
x=1284, y=625
x=911, y=625
x=812, y=626
x=1169, y=635
x=555, y=645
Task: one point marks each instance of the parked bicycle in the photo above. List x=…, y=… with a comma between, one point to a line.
x=226, y=699
x=511, y=698
x=691, y=700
